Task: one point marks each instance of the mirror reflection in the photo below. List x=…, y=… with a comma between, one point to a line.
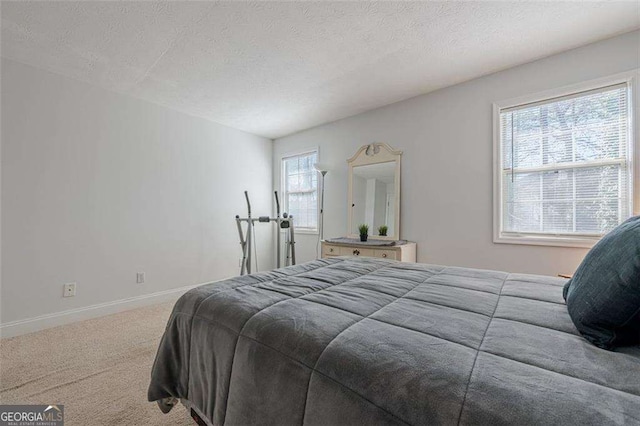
x=373, y=197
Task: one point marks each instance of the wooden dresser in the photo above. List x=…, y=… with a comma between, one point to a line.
x=374, y=208
x=405, y=252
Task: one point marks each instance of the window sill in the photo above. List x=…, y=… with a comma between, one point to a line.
x=304, y=231
x=534, y=240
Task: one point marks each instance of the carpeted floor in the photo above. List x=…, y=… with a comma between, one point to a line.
x=99, y=369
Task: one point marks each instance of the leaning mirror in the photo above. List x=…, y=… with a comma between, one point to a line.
x=374, y=191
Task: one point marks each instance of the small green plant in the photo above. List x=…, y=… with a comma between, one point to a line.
x=364, y=231
x=382, y=231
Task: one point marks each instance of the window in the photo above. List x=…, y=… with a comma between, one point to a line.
x=564, y=172
x=300, y=182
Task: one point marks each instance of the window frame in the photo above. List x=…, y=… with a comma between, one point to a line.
x=560, y=240
x=284, y=192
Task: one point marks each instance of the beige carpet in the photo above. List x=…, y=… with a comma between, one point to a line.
x=99, y=369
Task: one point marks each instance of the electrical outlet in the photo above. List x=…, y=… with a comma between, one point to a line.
x=69, y=290
x=140, y=277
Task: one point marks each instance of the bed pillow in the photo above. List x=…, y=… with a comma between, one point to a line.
x=603, y=297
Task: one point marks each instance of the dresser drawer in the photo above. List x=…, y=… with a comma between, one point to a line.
x=356, y=251
x=403, y=253
x=386, y=254
x=328, y=250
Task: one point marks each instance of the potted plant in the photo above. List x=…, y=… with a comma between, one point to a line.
x=364, y=231
x=382, y=231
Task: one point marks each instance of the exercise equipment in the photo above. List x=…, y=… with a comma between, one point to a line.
x=247, y=238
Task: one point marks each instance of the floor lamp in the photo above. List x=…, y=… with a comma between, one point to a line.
x=323, y=171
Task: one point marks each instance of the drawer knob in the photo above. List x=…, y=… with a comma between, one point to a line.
x=331, y=250
x=384, y=254
x=356, y=252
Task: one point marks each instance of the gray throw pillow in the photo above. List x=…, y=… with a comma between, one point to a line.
x=603, y=297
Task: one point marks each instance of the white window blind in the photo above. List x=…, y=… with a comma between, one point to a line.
x=565, y=164
x=300, y=182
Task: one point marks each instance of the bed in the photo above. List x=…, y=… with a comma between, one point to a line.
x=349, y=341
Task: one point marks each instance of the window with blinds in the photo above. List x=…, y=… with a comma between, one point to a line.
x=300, y=181
x=565, y=165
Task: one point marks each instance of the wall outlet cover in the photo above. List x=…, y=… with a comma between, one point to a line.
x=69, y=290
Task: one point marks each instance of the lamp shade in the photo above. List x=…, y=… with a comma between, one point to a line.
x=320, y=168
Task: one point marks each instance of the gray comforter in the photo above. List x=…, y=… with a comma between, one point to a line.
x=361, y=341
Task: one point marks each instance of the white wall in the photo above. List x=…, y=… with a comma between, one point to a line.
x=447, y=181
x=97, y=186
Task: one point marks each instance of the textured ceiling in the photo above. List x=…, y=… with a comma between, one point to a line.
x=273, y=68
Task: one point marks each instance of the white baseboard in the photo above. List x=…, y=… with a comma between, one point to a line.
x=29, y=325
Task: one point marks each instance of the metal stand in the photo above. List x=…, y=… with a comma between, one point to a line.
x=323, y=173
x=246, y=239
